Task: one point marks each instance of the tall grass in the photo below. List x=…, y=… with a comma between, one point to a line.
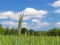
x=43, y=40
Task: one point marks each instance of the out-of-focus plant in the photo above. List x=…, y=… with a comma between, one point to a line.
x=20, y=27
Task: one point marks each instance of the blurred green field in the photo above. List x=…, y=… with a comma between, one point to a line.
x=29, y=40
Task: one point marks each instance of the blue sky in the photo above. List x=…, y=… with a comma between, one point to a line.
x=39, y=14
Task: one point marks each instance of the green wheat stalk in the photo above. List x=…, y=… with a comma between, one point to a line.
x=20, y=27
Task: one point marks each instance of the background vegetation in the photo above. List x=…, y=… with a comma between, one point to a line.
x=12, y=31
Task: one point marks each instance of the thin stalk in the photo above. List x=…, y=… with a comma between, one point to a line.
x=19, y=28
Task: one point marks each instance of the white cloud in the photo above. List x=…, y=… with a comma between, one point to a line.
x=12, y=24
x=56, y=3
x=33, y=13
x=42, y=24
x=24, y=24
x=35, y=20
x=57, y=24
x=9, y=14
x=57, y=11
x=39, y=24
x=35, y=23
x=29, y=13
x=9, y=24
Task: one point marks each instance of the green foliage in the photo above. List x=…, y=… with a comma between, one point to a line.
x=28, y=40
x=40, y=33
x=43, y=33
x=24, y=30
x=1, y=29
x=31, y=32
x=54, y=32
x=7, y=31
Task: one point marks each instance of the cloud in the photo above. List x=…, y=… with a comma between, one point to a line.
x=9, y=14
x=24, y=24
x=57, y=11
x=35, y=24
x=9, y=24
x=39, y=24
x=57, y=24
x=29, y=13
x=12, y=24
x=56, y=3
x=33, y=13
x=36, y=20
